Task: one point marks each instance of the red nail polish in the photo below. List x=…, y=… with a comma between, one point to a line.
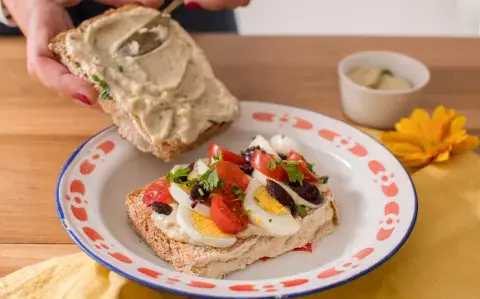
x=82, y=98
x=193, y=5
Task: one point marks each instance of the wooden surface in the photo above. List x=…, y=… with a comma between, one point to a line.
x=38, y=130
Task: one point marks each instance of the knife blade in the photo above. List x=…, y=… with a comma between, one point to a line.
x=150, y=36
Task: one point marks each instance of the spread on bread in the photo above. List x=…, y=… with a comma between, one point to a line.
x=170, y=93
x=269, y=189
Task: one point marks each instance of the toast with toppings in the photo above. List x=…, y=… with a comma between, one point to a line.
x=222, y=213
x=165, y=102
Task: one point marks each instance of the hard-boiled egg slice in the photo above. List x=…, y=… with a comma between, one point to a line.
x=266, y=212
x=201, y=166
x=264, y=145
x=181, y=194
x=298, y=200
x=202, y=229
x=283, y=144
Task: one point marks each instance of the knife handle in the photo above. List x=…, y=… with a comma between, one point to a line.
x=172, y=6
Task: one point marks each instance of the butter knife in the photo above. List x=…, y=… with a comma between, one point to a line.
x=146, y=38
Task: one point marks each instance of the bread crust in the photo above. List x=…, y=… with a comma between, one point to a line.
x=124, y=121
x=211, y=262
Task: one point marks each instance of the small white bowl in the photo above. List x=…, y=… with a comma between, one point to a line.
x=381, y=109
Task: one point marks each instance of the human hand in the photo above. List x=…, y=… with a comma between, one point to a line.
x=40, y=21
x=216, y=4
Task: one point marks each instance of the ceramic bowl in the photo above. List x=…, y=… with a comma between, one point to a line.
x=381, y=109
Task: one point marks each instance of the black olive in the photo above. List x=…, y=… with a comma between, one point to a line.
x=277, y=192
x=246, y=168
x=248, y=153
x=162, y=208
x=198, y=194
x=282, y=156
x=191, y=166
x=308, y=192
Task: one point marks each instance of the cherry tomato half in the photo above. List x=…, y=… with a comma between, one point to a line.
x=215, y=149
x=309, y=176
x=157, y=192
x=228, y=215
x=232, y=176
x=263, y=162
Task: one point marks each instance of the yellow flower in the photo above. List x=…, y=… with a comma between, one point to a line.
x=421, y=139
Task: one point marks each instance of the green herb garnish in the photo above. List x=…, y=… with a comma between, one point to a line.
x=210, y=180
x=105, y=94
x=246, y=212
x=272, y=165
x=237, y=191
x=323, y=179
x=387, y=72
x=269, y=220
x=218, y=157
x=256, y=199
x=120, y=69
x=201, y=191
x=293, y=172
x=178, y=175
x=302, y=210
x=310, y=166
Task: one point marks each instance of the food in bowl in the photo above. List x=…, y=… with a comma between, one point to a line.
x=224, y=212
x=378, y=78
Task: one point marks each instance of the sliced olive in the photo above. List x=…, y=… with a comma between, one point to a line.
x=162, y=208
x=277, y=192
x=308, y=192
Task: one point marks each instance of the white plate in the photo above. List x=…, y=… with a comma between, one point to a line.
x=376, y=198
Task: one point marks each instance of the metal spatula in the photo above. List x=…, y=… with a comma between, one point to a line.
x=147, y=39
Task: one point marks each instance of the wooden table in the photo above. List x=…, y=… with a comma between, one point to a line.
x=38, y=130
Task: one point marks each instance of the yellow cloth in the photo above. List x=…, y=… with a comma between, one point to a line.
x=440, y=260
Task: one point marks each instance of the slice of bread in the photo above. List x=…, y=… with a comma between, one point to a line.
x=211, y=262
x=128, y=124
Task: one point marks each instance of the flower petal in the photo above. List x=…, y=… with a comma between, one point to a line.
x=399, y=137
x=470, y=143
x=457, y=124
x=443, y=157
x=440, y=114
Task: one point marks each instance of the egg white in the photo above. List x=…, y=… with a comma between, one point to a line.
x=185, y=223
x=297, y=198
x=201, y=166
x=183, y=199
x=264, y=145
x=279, y=225
x=283, y=144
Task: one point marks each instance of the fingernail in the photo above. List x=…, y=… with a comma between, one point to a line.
x=193, y=5
x=82, y=98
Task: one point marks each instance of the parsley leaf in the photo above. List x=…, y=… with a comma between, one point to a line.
x=293, y=172
x=237, y=191
x=302, y=210
x=256, y=199
x=310, y=166
x=272, y=165
x=210, y=180
x=323, y=179
x=179, y=175
x=218, y=157
x=269, y=220
x=105, y=94
x=191, y=183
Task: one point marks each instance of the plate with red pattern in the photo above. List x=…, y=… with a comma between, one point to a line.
x=376, y=198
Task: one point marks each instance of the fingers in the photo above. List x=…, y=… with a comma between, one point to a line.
x=43, y=65
x=149, y=3
x=216, y=4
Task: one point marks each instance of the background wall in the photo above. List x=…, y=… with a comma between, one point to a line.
x=366, y=17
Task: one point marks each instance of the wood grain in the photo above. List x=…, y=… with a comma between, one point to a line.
x=16, y=256
x=39, y=130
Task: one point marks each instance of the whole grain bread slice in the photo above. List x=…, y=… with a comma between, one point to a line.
x=123, y=120
x=211, y=262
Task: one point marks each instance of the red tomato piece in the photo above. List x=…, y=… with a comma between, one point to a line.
x=231, y=175
x=157, y=192
x=309, y=176
x=262, y=162
x=228, y=215
x=294, y=156
x=215, y=149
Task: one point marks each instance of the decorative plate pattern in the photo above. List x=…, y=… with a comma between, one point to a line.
x=376, y=197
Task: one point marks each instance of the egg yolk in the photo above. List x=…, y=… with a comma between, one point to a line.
x=206, y=226
x=268, y=203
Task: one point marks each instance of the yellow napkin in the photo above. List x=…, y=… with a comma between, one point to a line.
x=441, y=259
